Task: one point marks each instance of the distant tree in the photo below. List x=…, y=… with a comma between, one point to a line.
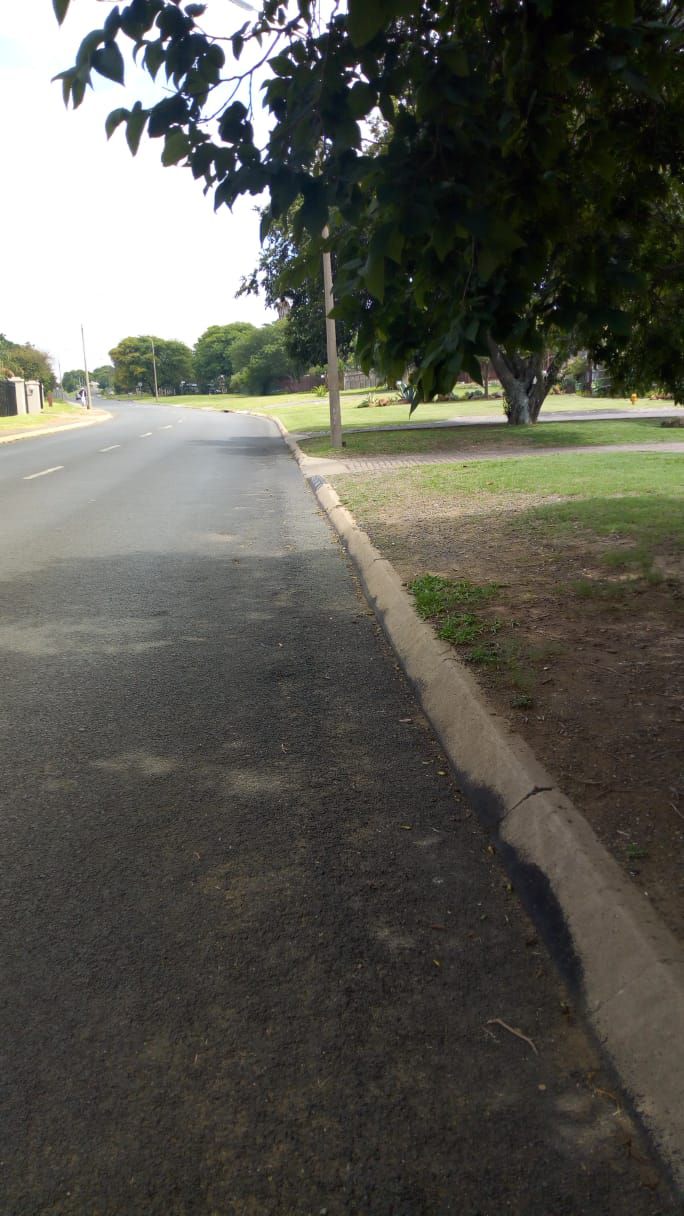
x=175, y=364
x=133, y=364
x=26, y=361
x=213, y=358
x=290, y=272
x=73, y=380
x=104, y=376
x=261, y=360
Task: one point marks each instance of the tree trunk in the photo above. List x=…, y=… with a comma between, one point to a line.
x=524, y=381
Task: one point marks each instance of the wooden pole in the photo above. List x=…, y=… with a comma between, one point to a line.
x=331, y=343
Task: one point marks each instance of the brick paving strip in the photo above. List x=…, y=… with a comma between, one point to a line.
x=378, y=464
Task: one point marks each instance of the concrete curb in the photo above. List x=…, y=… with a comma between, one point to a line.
x=54, y=430
x=613, y=949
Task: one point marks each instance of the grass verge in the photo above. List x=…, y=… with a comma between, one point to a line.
x=561, y=581
x=61, y=410
x=466, y=440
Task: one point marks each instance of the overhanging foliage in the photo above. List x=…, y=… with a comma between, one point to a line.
x=529, y=144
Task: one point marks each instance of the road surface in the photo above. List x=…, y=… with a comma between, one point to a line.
x=254, y=944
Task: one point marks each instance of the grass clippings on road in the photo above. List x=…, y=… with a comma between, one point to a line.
x=561, y=581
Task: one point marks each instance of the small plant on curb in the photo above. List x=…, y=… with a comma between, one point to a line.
x=522, y=700
x=635, y=852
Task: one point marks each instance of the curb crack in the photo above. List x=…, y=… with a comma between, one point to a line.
x=536, y=789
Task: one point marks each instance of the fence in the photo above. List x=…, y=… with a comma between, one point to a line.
x=20, y=397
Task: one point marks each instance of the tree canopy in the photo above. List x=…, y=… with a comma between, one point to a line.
x=133, y=362
x=260, y=360
x=26, y=361
x=213, y=352
x=104, y=376
x=532, y=146
x=73, y=380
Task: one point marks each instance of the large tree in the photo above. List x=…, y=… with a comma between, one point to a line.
x=73, y=380
x=530, y=142
x=213, y=352
x=260, y=360
x=104, y=376
x=26, y=361
x=134, y=361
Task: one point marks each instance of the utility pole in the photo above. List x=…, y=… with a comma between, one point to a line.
x=331, y=343
x=85, y=368
x=154, y=369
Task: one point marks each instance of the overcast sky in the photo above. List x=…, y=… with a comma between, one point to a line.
x=90, y=234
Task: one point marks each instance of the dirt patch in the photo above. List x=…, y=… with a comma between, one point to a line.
x=589, y=667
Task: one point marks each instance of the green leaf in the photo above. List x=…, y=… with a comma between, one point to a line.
x=176, y=146
x=443, y=240
x=366, y=18
x=154, y=57
x=395, y=246
x=374, y=275
x=61, y=8
x=135, y=127
x=487, y=261
x=281, y=65
x=386, y=106
x=114, y=120
x=472, y=366
x=361, y=99
x=231, y=122
x=109, y=62
x=86, y=50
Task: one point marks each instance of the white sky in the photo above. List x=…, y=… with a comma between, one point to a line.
x=89, y=234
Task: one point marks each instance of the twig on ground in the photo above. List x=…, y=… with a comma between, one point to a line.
x=512, y=1030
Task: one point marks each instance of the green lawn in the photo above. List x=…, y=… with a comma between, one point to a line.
x=469, y=439
x=638, y=497
x=24, y=422
x=303, y=412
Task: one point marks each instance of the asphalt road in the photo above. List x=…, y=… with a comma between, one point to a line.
x=252, y=939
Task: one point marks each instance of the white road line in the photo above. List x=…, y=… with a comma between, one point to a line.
x=44, y=473
x=111, y=447
x=146, y=435
x=169, y=427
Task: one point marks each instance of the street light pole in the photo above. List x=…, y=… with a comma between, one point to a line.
x=331, y=343
x=154, y=369
x=85, y=368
